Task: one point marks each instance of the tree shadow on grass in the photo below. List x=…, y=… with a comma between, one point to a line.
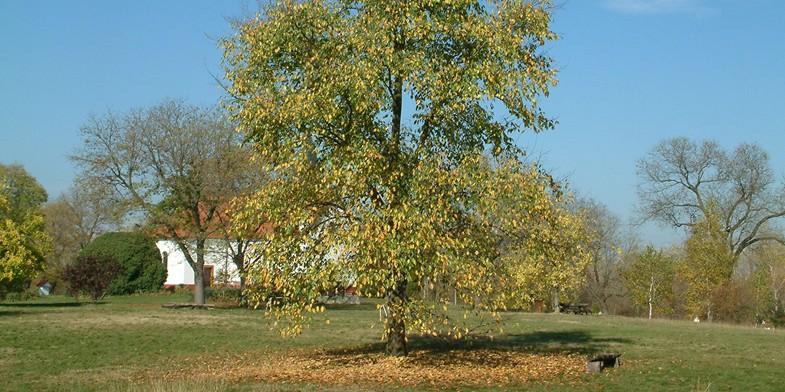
x=22, y=308
x=578, y=341
x=48, y=304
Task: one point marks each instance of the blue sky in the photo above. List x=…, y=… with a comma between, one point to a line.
x=632, y=73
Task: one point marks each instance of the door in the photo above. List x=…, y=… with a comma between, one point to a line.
x=207, y=271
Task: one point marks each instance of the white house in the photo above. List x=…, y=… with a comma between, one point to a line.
x=219, y=268
x=218, y=264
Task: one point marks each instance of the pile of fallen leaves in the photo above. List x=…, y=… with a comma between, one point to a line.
x=438, y=368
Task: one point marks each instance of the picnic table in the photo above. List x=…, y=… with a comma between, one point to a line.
x=574, y=308
x=596, y=363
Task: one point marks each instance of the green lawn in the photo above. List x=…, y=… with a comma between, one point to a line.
x=132, y=343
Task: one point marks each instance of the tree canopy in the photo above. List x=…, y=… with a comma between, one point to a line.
x=176, y=163
x=22, y=191
x=23, y=241
x=708, y=265
x=682, y=182
x=649, y=279
x=604, y=283
x=372, y=118
x=86, y=210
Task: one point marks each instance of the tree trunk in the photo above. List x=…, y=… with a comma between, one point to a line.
x=775, y=292
x=604, y=306
x=199, y=273
x=239, y=263
x=651, y=297
x=199, y=285
x=556, y=300
x=394, y=326
x=396, y=336
x=242, y=273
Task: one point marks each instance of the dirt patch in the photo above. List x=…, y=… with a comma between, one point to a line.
x=8, y=356
x=358, y=367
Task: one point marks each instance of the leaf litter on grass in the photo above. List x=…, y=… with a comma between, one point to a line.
x=435, y=368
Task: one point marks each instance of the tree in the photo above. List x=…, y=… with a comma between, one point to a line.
x=60, y=224
x=143, y=269
x=604, y=283
x=708, y=263
x=87, y=210
x=537, y=236
x=23, y=193
x=769, y=278
x=372, y=118
x=243, y=238
x=554, y=260
x=23, y=242
x=175, y=163
x=92, y=274
x=649, y=278
x=679, y=180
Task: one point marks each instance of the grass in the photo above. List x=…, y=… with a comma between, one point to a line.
x=132, y=343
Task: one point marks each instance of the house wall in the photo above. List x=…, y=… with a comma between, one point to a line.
x=217, y=254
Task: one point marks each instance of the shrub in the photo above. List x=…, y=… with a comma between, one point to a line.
x=91, y=274
x=777, y=317
x=13, y=297
x=143, y=269
x=735, y=302
x=26, y=295
x=182, y=289
x=231, y=296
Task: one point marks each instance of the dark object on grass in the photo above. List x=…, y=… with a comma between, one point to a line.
x=574, y=308
x=602, y=361
x=192, y=306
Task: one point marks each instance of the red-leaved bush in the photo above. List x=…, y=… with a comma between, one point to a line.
x=92, y=274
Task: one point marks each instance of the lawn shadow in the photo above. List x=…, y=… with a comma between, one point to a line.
x=578, y=341
x=22, y=308
x=48, y=304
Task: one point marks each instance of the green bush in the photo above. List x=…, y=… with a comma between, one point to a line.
x=13, y=297
x=143, y=269
x=26, y=295
x=777, y=317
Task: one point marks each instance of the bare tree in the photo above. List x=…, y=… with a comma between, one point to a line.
x=66, y=242
x=87, y=210
x=680, y=181
x=95, y=208
x=176, y=163
x=604, y=282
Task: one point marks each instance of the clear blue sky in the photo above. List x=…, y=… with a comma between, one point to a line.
x=632, y=73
